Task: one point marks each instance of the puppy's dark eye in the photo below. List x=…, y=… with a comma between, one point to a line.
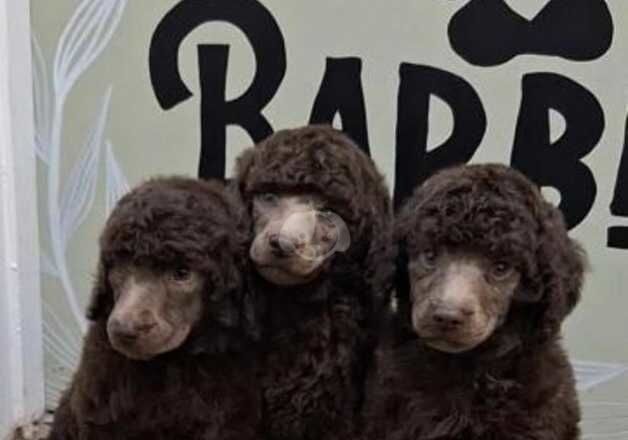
x=325, y=217
x=324, y=214
x=181, y=274
x=429, y=257
x=117, y=276
x=327, y=238
x=268, y=198
x=501, y=270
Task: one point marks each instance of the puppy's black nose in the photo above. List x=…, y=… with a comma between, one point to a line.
x=450, y=318
x=129, y=332
x=280, y=246
x=273, y=242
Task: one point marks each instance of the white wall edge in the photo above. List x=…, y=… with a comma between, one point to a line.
x=21, y=353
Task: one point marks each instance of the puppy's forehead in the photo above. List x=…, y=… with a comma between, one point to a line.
x=463, y=259
x=307, y=199
x=136, y=270
x=488, y=175
x=300, y=198
x=154, y=263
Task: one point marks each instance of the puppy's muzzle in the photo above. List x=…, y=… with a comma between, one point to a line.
x=450, y=318
x=282, y=245
x=127, y=332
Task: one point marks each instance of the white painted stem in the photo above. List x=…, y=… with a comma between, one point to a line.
x=54, y=213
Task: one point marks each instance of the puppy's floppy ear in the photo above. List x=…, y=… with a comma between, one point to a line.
x=379, y=260
x=252, y=312
x=101, y=302
x=561, y=267
x=404, y=227
x=402, y=294
x=243, y=165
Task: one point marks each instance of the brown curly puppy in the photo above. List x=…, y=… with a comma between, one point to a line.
x=486, y=277
x=168, y=354
x=322, y=293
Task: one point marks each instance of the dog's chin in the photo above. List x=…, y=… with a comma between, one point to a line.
x=145, y=349
x=286, y=277
x=455, y=343
x=451, y=347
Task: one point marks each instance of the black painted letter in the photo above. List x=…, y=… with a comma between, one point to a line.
x=618, y=235
x=341, y=92
x=559, y=164
x=261, y=29
x=413, y=162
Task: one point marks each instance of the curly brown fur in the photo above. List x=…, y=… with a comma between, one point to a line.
x=321, y=334
x=517, y=383
x=205, y=388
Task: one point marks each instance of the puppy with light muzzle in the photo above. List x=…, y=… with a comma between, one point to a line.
x=170, y=350
x=487, y=274
x=322, y=260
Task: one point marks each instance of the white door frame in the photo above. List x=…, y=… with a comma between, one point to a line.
x=21, y=354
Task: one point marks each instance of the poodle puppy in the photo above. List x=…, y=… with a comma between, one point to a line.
x=487, y=274
x=169, y=353
x=323, y=263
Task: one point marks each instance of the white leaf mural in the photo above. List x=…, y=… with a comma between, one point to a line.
x=42, y=95
x=62, y=350
x=80, y=188
x=117, y=184
x=69, y=200
x=89, y=31
x=591, y=374
x=86, y=35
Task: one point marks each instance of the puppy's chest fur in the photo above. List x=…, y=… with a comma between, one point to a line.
x=312, y=378
x=417, y=399
x=189, y=396
x=471, y=408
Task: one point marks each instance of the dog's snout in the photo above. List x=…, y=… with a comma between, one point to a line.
x=281, y=245
x=129, y=331
x=273, y=242
x=451, y=317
